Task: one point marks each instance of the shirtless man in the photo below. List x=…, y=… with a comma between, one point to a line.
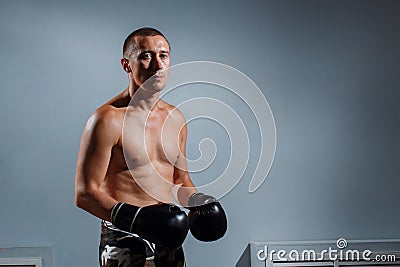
x=127, y=182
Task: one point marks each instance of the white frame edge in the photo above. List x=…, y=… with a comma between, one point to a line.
x=37, y=262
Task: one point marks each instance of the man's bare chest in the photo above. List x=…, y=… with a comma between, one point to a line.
x=150, y=141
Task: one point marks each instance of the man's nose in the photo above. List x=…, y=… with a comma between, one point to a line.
x=157, y=63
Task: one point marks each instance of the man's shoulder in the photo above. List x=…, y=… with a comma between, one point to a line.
x=108, y=111
x=175, y=113
x=107, y=116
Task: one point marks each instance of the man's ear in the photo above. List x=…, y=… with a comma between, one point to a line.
x=125, y=65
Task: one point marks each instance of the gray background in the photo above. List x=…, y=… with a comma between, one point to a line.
x=329, y=70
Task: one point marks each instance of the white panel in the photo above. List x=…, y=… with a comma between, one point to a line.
x=36, y=262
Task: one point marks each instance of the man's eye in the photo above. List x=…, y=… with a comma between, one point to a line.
x=146, y=56
x=163, y=56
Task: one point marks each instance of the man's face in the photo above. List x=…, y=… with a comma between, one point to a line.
x=149, y=63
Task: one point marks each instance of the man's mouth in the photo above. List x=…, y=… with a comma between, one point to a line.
x=157, y=76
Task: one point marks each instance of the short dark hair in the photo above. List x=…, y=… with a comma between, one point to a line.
x=130, y=43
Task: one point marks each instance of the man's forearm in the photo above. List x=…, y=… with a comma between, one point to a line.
x=96, y=203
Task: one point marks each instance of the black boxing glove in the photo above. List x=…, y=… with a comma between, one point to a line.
x=207, y=219
x=162, y=224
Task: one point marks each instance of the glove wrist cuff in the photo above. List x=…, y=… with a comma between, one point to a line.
x=123, y=216
x=200, y=199
x=192, y=202
x=114, y=211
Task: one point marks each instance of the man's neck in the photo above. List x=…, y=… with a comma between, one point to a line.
x=142, y=99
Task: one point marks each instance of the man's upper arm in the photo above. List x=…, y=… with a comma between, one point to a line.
x=181, y=175
x=98, y=139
